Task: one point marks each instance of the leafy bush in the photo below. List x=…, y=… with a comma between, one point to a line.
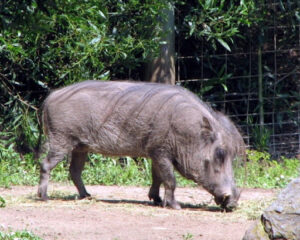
x=47, y=44
x=216, y=21
x=262, y=172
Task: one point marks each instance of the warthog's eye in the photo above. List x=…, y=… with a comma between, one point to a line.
x=220, y=155
x=206, y=164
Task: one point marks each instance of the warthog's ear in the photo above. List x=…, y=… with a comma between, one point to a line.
x=206, y=124
x=207, y=133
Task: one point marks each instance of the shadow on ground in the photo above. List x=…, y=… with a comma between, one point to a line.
x=188, y=206
x=74, y=197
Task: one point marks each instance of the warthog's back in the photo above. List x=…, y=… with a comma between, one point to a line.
x=117, y=118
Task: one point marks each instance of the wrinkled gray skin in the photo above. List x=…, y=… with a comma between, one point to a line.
x=166, y=123
x=238, y=141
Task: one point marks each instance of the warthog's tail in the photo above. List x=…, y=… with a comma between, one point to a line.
x=42, y=127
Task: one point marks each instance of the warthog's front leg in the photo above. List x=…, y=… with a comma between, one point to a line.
x=164, y=170
x=154, y=190
x=76, y=167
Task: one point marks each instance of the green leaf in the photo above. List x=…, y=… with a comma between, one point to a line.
x=93, y=26
x=95, y=40
x=297, y=15
x=281, y=5
x=192, y=27
x=225, y=87
x=206, y=89
x=224, y=44
x=102, y=14
x=104, y=76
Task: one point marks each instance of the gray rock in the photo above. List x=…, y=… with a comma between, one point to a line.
x=282, y=219
x=256, y=232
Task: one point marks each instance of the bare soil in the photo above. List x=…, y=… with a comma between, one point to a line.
x=119, y=212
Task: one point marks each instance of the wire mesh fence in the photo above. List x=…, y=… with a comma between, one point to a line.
x=257, y=84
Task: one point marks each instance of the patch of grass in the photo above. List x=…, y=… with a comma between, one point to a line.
x=108, y=171
x=252, y=209
x=2, y=202
x=15, y=170
x=24, y=235
x=260, y=171
x=188, y=236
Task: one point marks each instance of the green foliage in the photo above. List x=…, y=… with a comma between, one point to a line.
x=24, y=235
x=15, y=170
x=261, y=138
x=220, y=80
x=2, y=202
x=108, y=171
x=70, y=41
x=201, y=26
x=188, y=236
x=47, y=44
x=22, y=128
x=217, y=21
x=262, y=172
x=259, y=171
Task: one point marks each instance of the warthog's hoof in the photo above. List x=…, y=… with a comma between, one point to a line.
x=156, y=200
x=85, y=196
x=42, y=197
x=172, y=204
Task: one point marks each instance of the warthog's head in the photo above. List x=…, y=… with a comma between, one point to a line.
x=207, y=149
x=219, y=180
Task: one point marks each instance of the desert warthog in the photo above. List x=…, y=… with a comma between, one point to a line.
x=166, y=123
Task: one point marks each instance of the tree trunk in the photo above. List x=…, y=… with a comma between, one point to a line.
x=162, y=68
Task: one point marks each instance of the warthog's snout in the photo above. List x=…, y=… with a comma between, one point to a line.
x=229, y=201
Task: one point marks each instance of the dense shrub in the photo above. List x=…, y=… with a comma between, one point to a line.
x=263, y=172
x=47, y=44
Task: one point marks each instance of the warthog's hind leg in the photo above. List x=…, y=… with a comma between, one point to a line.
x=52, y=159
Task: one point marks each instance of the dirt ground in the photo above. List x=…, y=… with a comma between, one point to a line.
x=121, y=213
